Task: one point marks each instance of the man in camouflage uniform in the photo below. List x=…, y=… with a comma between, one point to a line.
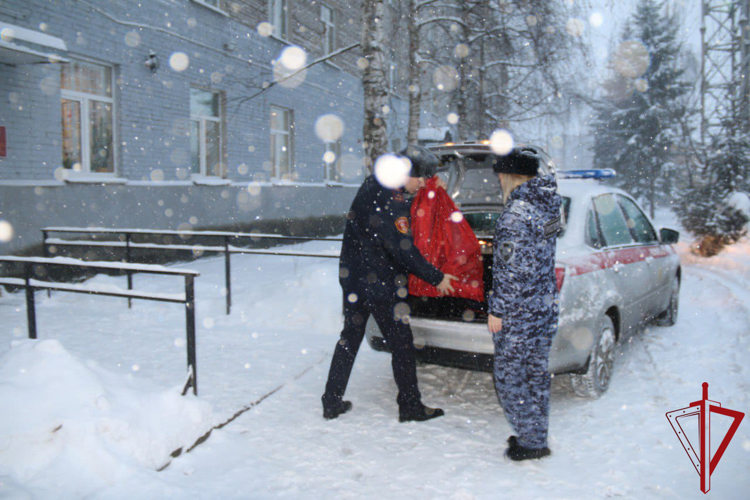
x=523, y=304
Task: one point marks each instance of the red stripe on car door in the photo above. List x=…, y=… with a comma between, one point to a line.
x=608, y=258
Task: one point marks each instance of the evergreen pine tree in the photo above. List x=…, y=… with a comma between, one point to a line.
x=637, y=126
x=714, y=208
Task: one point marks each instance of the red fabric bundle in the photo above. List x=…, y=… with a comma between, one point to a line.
x=447, y=242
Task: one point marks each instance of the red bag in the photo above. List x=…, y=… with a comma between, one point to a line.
x=447, y=242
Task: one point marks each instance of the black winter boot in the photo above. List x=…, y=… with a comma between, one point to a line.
x=519, y=452
x=333, y=411
x=512, y=442
x=419, y=414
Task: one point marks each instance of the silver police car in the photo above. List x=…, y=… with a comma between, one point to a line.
x=615, y=273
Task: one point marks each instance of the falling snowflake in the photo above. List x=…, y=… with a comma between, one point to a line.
x=392, y=171
x=501, y=142
x=596, y=20
x=329, y=128
x=265, y=29
x=132, y=39
x=6, y=231
x=445, y=78
x=631, y=59
x=179, y=61
x=575, y=27
x=293, y=58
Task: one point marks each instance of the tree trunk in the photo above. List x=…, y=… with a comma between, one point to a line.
x=482, y=132
x=462, y=104
x=415, y=89
x=374, y=131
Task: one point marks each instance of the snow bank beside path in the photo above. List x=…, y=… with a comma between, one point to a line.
x=77, y=428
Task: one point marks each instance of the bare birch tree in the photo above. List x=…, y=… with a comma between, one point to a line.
x=415, y=75
x=374, y=131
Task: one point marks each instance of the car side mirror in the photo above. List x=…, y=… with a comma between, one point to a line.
x=668, y=236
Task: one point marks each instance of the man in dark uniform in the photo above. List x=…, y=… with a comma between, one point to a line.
x=377, y=256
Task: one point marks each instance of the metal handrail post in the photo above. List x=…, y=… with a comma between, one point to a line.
x=130, y=274
x=228, y=273
x=45, y=253
x=190, y=322
x=30, y=304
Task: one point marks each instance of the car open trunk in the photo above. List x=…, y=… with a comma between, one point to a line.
x=482, y=220
x=454, y=308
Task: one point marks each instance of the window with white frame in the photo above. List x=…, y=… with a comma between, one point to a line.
x=87, y=117
x=205, y=132
x=332, y=161
x=281, y=143
x=278, y=17
x=327, y=17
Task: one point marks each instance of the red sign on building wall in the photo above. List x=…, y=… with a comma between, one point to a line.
x=3, y=149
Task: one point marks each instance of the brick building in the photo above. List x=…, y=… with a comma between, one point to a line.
x=119, y=113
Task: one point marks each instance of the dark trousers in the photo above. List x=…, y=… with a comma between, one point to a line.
x=398, y=338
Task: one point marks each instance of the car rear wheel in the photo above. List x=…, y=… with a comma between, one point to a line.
x=669, y=317
x=595, y=381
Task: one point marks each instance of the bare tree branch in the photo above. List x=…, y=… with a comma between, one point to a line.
x=242, y=100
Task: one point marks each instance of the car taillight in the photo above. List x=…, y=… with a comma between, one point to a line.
x=559, y=276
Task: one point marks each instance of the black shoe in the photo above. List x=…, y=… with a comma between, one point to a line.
x=522, y=453
x=331, y=412
x=512, y=442
x=419, y=414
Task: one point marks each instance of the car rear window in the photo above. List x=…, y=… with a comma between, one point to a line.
x=483, y=222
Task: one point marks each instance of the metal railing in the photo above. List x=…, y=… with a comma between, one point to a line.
x=225, y=247
x=30, y=284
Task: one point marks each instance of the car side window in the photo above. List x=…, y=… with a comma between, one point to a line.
x=642, y=229
x=611, y=221
x=592, y=233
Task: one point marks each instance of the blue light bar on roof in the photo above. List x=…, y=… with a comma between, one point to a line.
x=603, y=173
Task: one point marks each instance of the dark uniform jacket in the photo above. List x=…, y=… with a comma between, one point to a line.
x=523, y=271
x=378, y=251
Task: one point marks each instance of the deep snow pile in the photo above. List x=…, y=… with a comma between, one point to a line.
x=81, y=427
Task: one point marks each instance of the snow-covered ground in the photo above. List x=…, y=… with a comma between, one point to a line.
x=281, y=333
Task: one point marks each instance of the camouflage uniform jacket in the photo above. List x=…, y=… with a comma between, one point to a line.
x=523, y=271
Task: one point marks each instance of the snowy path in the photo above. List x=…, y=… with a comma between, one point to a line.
x=286, y=319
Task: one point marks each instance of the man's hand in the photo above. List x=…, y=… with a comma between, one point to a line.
x=445, y=286
x=441, y=183
x=494, y=323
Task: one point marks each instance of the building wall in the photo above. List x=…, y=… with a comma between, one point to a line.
x=226, y=53
x=30, y=112
x=159, y=206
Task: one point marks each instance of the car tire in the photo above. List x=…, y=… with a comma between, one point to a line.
x=595, y=381
x=669, y=317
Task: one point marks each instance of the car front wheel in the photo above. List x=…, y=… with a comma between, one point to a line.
x=595, y=381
